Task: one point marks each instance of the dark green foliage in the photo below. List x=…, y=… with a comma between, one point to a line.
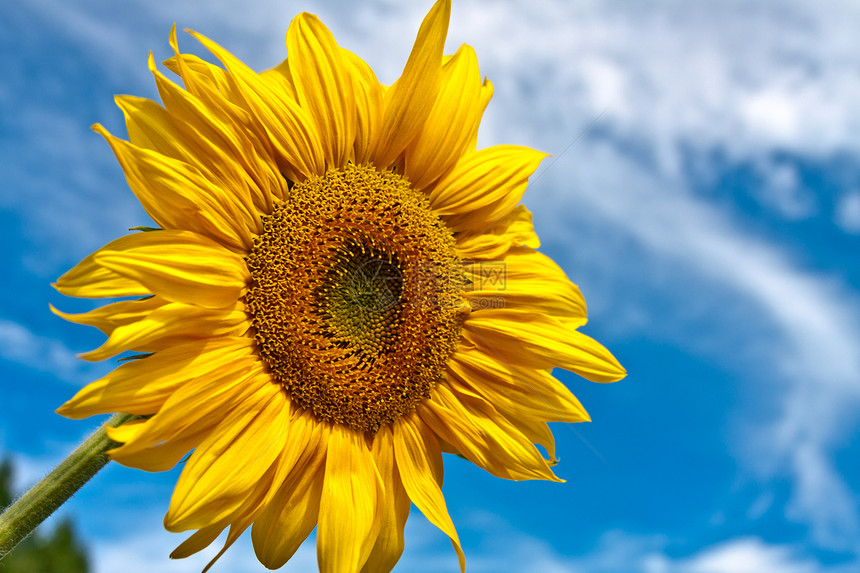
x=5, y=483
x=57, y=552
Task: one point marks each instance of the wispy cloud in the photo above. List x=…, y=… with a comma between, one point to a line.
x=743, y=555
x=622, y=552
x=748, y=77
x=62, y=216
x=143, y=548
x=139, y=551
x=677, y=82
x=29, y=467
x=21, y=345
x=848, y=212
x=812, y=365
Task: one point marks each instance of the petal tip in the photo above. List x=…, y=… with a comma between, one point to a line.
x=66, y=410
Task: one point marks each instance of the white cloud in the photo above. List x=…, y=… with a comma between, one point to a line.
x=30, y=467
x=743, y=555
x=782, y=190
x=848, y=212
x=748, y=555
x=504, y=549
x=760, y=506
x=145, y=547
x=739, y=79
x=83, y=210
x=743, y=79
x=144, y=552
x=747, y=76
x=822, y=494
x=21, y=345
x=812, y=365
x=621, y=552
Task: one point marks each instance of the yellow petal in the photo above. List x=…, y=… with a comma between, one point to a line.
x=484, y=437
x=292, y=512
x=484, y=186
x=205, y=536
x=111, y=316
x=410, y=99
x=289, y=127
x=190, y=132
x=198, y=541
x=419, y=461
x=224, y=469
x=280, y=79
x=512, y=230
x=369, y=106
x=528, y=281
x=532, y=424
x=236, y=530
x=208, y=82
x=179, y=265
x=541, y=342
x=178, y=196
x=447, y=134
x=171, y=324
x=126, y=432
x=92, y=280
x=394, y=507
x=142, y=386
x=348, y=523
x=201, y=134
x=188, y=416
x=323, y=85
x=159, y=457
x=199, y=76
x=152, y=127
x=486, y=96
x=528, y=391
x=218, y=91
x=225, y=121
x=536, y=431
x=306, y=446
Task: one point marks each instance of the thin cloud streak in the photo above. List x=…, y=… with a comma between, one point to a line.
x=21, y=345
x=815, y=359
x=680, y=80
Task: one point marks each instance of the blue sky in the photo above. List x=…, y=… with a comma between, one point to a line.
x=704, y=193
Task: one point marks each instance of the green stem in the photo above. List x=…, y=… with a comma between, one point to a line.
x=44, y=498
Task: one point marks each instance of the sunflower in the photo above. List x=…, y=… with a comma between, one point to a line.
x=339, y=289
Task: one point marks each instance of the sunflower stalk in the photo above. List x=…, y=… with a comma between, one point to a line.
x=22, y=517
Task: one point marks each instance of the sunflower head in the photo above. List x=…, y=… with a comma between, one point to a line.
x=354, y=296
x=338, y=287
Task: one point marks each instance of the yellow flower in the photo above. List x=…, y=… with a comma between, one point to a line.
x=341, y=288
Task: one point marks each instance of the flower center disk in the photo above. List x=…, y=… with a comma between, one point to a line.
x=355, y=296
